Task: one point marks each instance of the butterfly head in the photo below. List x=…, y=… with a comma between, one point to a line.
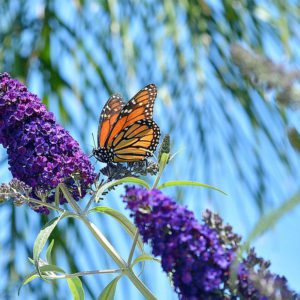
x=104, y=155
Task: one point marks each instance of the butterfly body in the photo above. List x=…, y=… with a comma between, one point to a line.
x=127, y=132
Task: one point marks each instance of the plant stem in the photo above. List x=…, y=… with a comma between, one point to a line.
x=32, y=200
x=84, y=273
x=92, y=199
x=118, y=260
x=135, y=239
x=107, y=246
x=162, y=164
x=36, y=201
x=157, y=178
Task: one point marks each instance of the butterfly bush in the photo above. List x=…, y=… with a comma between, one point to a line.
x=198, y=256
x=41, y=153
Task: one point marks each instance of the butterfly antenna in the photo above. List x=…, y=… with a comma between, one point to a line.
x=151, y=153
x=94, y=145
x=154, y=155
x=94, y=140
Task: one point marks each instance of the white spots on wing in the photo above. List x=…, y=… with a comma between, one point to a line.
x=127, y=111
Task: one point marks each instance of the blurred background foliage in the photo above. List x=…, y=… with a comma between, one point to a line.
x=229, y=132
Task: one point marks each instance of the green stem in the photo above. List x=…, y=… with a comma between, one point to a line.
x=118, y=260
x=36, y=201
x=92, y=199
x=157, y=179
x=84, y=273
x=135, y=240
x=32, y=200
x=162, y=164
x=107, y=246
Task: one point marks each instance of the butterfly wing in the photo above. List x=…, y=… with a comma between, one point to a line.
x=136, y=142
x=108, y=117
x=140, y=107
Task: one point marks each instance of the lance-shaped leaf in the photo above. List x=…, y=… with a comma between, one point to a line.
x=41, y=240
x=109, y=291
x=268, y=221
x=143, y=258
x=43, y=270
x=123, y=220
x=75, y=286
x=117, y=182
x=189, y=183
x=48, y=252
x=265, y=223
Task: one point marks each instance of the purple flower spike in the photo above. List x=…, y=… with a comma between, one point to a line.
x=40, y=152
x=200, y=256
x=191, y=252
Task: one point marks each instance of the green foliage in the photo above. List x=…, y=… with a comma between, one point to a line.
x=127, y=224
x=41, y=240
x=264, y=224
x=109, y=292
x=144, y=257
x=75, y=286
x=113, y=183
x=188, y=183
x=48, y=252
x=44, y=270
x=271, y=219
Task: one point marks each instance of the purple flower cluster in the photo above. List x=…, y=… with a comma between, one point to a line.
x=256, y=282
x=191, y=252
x=40, y=152
x=254, y=279
x=200, y=257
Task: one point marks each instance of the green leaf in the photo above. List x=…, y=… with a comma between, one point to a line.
x=109, y=291
x=51, y=268
x=144, y=257
x=42, y=269
x=31, y=260
x=76, y=288
x=28, y=279
x=48, y=252
x=269, y=220
x=117, y=182
x=124, y=221
x=41, y=240
x=265, y=223
x=187, y=182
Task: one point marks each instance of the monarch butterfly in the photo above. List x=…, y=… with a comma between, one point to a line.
x=127, y=132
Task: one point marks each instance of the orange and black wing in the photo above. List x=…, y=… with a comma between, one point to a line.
x=140, y=107
x=136, y=142
x=108, y=117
